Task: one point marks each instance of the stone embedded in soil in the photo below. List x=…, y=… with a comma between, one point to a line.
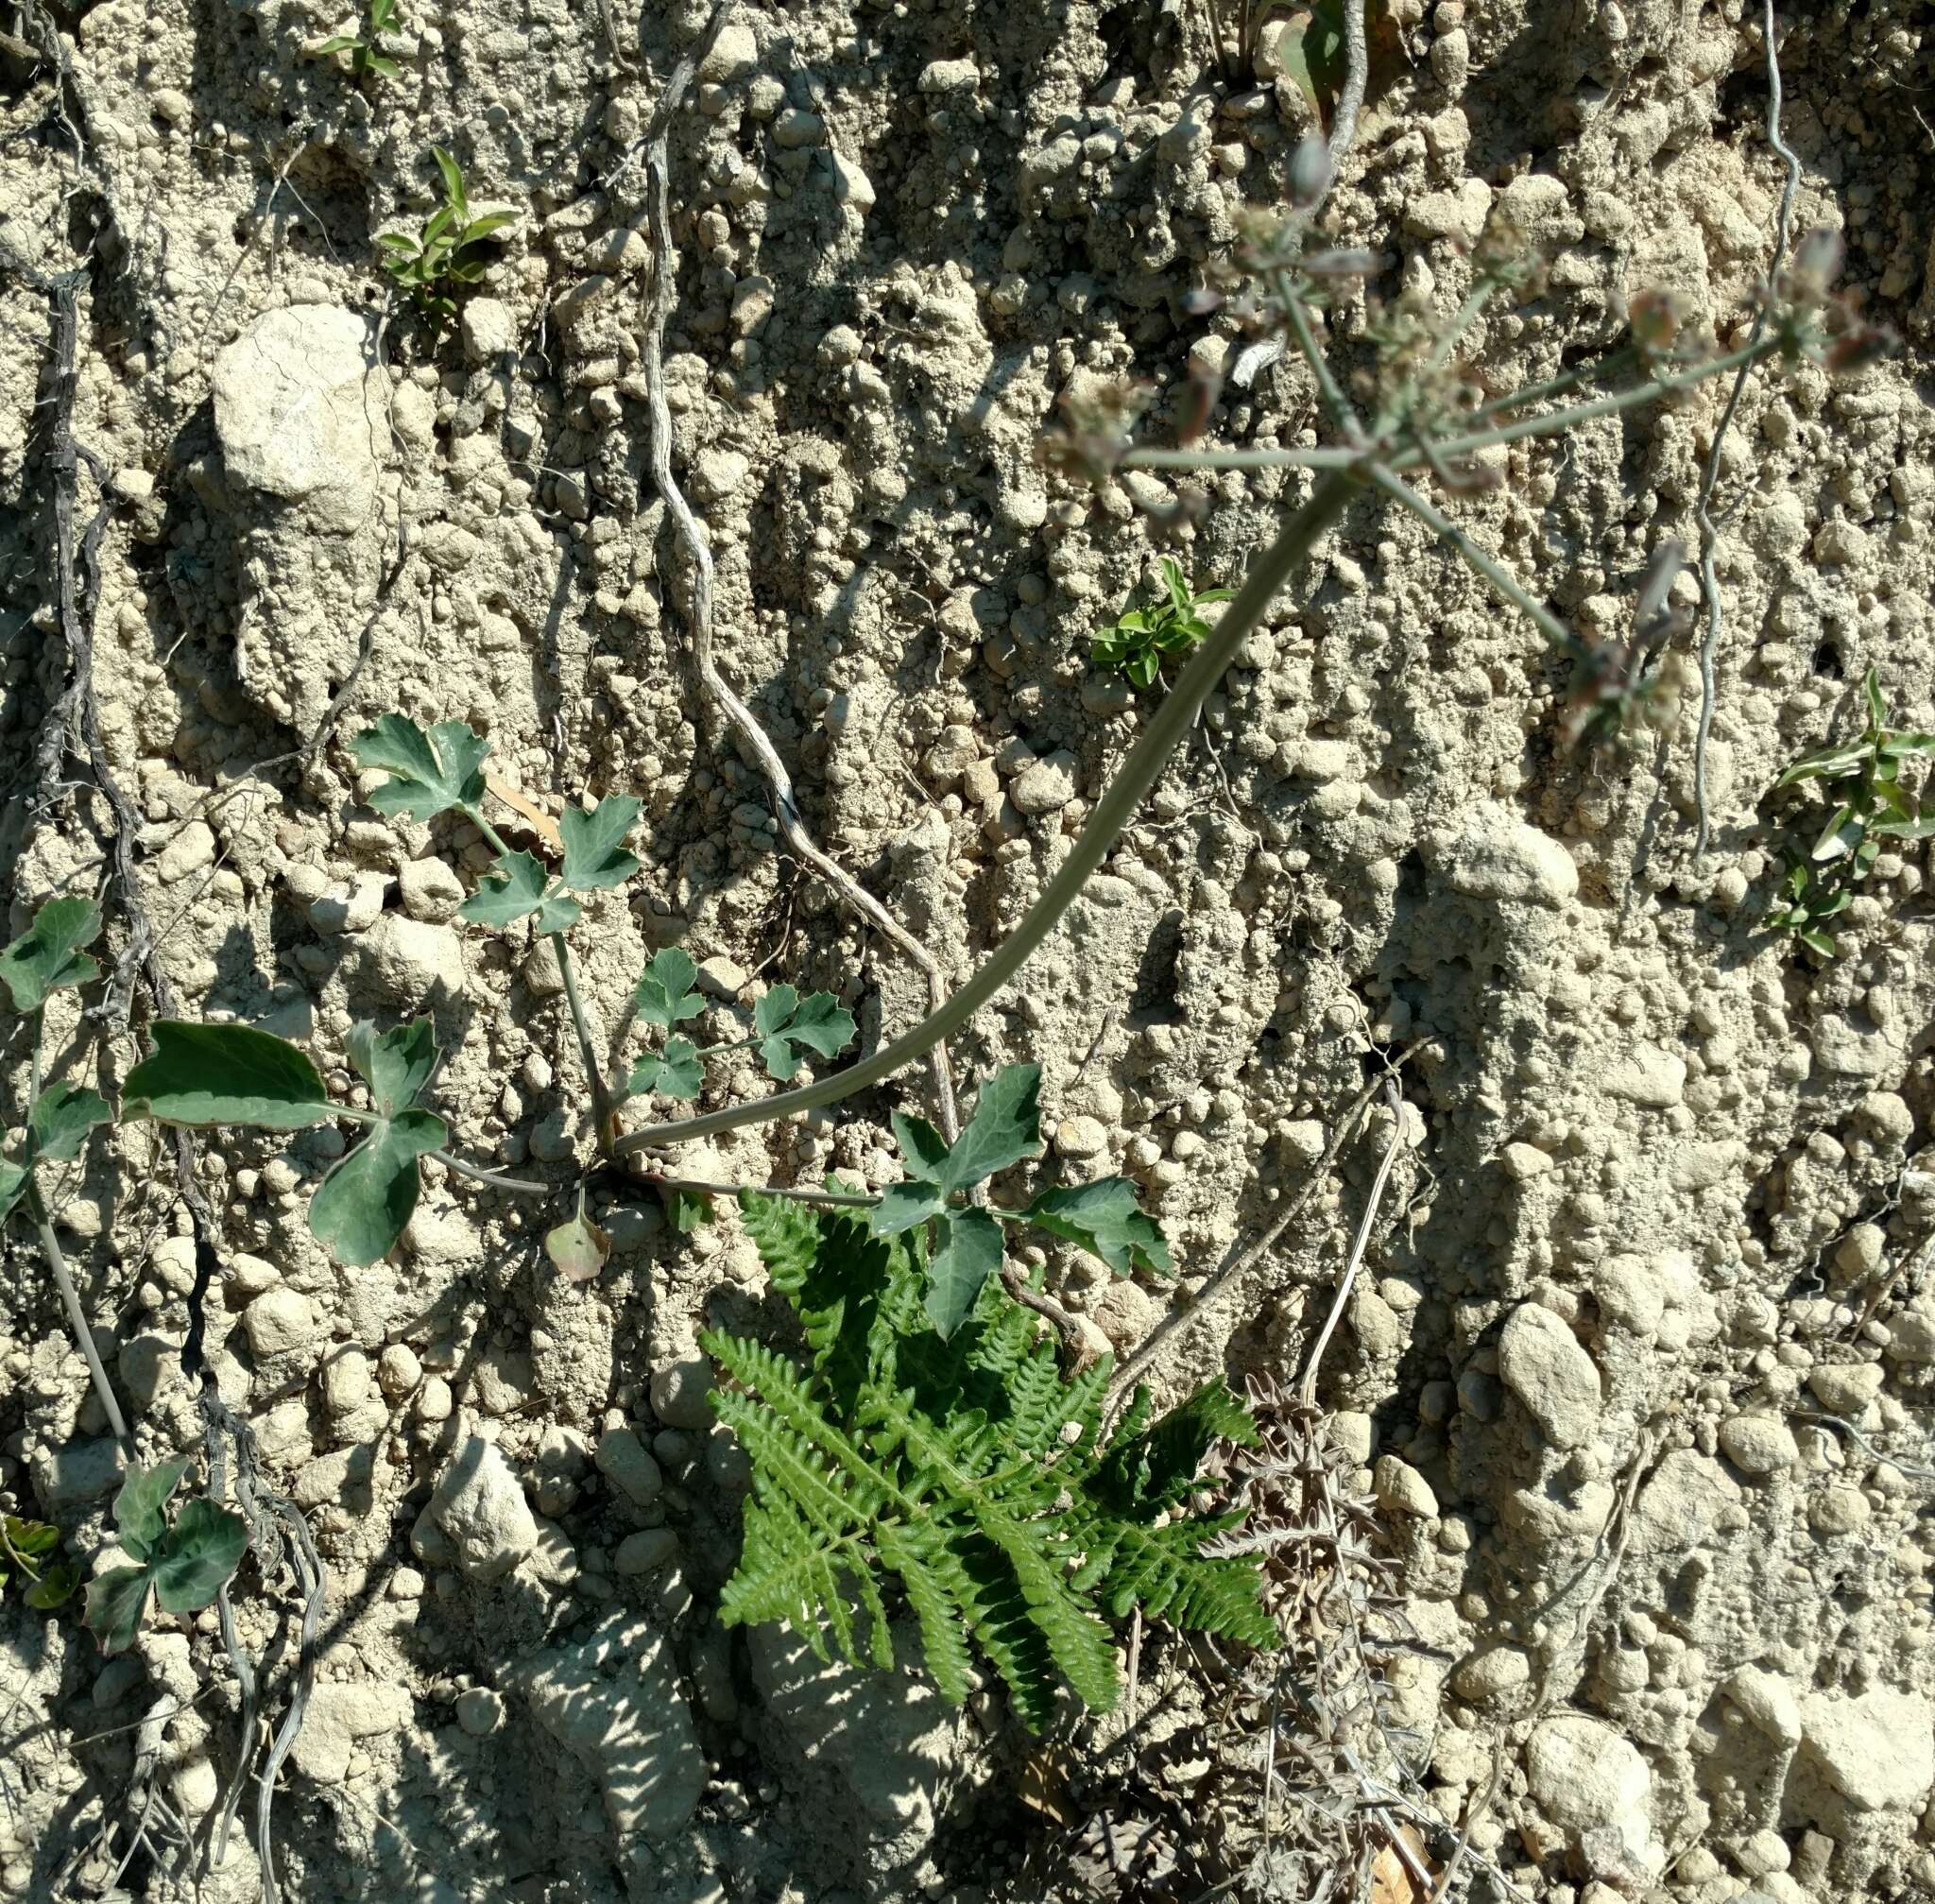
x=481, y=1510
x=1845, y=1387
x=645, y=1551
x=354, y=905
x=405, y=964
x=678, y=1393
x=1402, y=1489
x=339, y=1714
x=615, y=1702
x=1767, y=1701
x=1584, y=1777
x=279, y=1322
x=1759, y=1443
x=1497, y=855
x=1690, y=1502
x=1542, y=1363
x=1877, y=1753
x=76, y=1473
x=1486, y=1674
x=626, y=1461
x=1044, y=786
x=431, y=891
x=299, y=402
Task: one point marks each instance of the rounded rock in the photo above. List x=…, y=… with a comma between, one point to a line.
x=1759, y=1443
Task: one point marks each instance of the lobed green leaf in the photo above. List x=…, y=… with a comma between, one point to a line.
x=202, y=1548
x=968, y=1251
x=395, y=1064
x=361, y=1207
x=594, y=855
x=430, y=773
x=1104, y=1219
x=62, y=1118
x=664, y=995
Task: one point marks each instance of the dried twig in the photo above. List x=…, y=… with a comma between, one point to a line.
x=1709, y=529
x=691, y=536
x=1243, y=1257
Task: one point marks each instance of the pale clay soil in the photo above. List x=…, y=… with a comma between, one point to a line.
x=1664, y=1195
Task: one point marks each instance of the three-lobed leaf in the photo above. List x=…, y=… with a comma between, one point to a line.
x=518, y=886
x=204, y=1075
x=184, y=1563
x=48, y=956
x=783, y=1022
x=430, y=773
x=673, y=1071
x=664, y=995
x=594, y=854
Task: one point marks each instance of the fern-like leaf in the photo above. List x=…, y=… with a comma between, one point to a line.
x=966, y=1472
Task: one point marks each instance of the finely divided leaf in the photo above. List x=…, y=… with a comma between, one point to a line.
x=360, y=1208
x=201, y=1074
x=674, y=1073
x=1005, y=1127
x=664, y=995
x=201, y=1550
x=594, y=854
x=62, y=1116
x=48, y=956
x=1102, y=1217
x=429, y=773
x=967, y=1252
x=395, y=1064
x=515, y=890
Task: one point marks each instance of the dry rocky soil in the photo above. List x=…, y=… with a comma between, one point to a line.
x=1638, y=1373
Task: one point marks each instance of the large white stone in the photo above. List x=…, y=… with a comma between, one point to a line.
x=299, y=408
x=1541, y=1362
x=482, y=1510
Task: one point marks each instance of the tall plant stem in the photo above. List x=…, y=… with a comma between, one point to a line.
x=1137, y=774
x=602, y=1109
x=76, y=1316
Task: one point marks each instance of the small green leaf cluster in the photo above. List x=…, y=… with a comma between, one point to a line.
x=962, y=1242
x=1871, y=806
x=965, y=1471
x=1142, y=641
x=784, y=1025
x=27, y=1547
x=47, y=958
x=204, y=1075
x=182, y=1562
x=447, y=254
x=365, y=47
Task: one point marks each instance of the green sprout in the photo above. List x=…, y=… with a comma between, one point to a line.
x=1142, y=641
x=447, y=253
x=1864, y=779
x=25, y=1546
x=365, y=47
x=184, y=1562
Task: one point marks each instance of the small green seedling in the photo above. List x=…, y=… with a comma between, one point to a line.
x=447, y=254
x=364, y=46
x=961, y=1245
x=1142, y=641
x=184, y=1562
x=968, y=1470
x=25, y=1546
x=1871, y=806
x=783, y=1026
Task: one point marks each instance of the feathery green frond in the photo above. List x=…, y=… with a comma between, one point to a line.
x=962, y=1474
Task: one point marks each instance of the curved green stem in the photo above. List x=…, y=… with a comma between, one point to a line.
x=76, y=1316
x=1137, y=774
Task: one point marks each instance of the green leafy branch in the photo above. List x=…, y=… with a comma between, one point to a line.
x=447, y=254
x=182, y=1562
x=1140, y=641
x=1863, y=779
